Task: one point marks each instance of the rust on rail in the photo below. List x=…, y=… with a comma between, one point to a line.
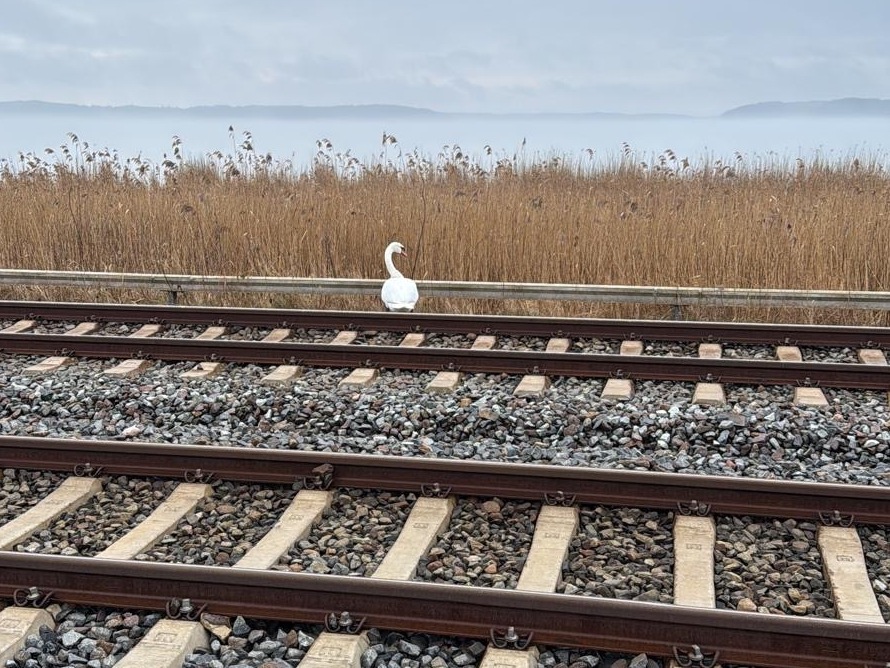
x=658, y=330
x=447, y=609
x=670, y=491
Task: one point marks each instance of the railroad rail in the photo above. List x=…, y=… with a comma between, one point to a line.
x=549, y=618
x=662, y=330
x=730, y=495
x=555, y=619
x=676, y=297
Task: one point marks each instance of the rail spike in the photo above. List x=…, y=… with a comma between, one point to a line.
x=558, y=498
x=503, y=639
x=696, y=658
x=321, y=478
x=198, y=476
x=343, y=623
x=835, y=518
x=693, y=508
x=32, y=597
x=183, y=609
x=435, y=491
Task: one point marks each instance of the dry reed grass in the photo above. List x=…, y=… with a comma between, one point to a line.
x=748, y=225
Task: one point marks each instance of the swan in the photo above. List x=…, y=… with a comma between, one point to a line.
x=398, y=293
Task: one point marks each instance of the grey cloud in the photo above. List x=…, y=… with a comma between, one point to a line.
x=492, y=55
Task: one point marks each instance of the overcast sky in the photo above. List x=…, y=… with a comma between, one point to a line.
x=683, y=56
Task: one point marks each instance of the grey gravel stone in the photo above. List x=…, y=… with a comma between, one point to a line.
x=354, y=535
x=759, y=433
x=83, y=637
x=876, y=547
x=21, y=489
x=623, y=553
x=770, y=566
x=485, y=544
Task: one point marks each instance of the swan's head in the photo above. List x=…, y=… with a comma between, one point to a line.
x=395, y=248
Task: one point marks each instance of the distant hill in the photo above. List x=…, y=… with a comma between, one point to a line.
x=848, y=106
x=286, y=112
x=827, y=108
x=220, y=111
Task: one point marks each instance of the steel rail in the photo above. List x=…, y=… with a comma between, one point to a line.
x=581, y=365
x=446, y=609
x=659, y=330
x=718, y=494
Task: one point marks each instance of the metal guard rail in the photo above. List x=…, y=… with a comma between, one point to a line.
x=623, y=294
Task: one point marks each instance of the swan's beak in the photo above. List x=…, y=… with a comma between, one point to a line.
x=404, y=252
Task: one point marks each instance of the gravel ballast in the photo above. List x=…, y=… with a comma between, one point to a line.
x=21, y=490
x=770, y=566
x=354, y=535
x=623, y=553
x=876, y=547
x=485, y=545
x=759, y=433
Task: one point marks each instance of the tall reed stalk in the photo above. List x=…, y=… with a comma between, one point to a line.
x=663, y=221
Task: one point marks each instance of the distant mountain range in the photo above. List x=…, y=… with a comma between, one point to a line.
x=848, y=106
x=851, y=107
x=219, y=111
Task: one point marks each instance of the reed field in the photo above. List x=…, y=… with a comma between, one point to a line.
x=751, y=223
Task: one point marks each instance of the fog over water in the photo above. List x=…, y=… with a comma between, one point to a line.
x=530, y=138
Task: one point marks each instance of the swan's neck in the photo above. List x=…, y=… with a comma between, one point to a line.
x=393, y=272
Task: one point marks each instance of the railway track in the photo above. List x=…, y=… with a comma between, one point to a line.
x=716, y=332
x=384, y=351
x=707, y=366
x=391, y=597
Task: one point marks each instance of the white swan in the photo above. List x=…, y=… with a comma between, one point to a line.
x=398, y=293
